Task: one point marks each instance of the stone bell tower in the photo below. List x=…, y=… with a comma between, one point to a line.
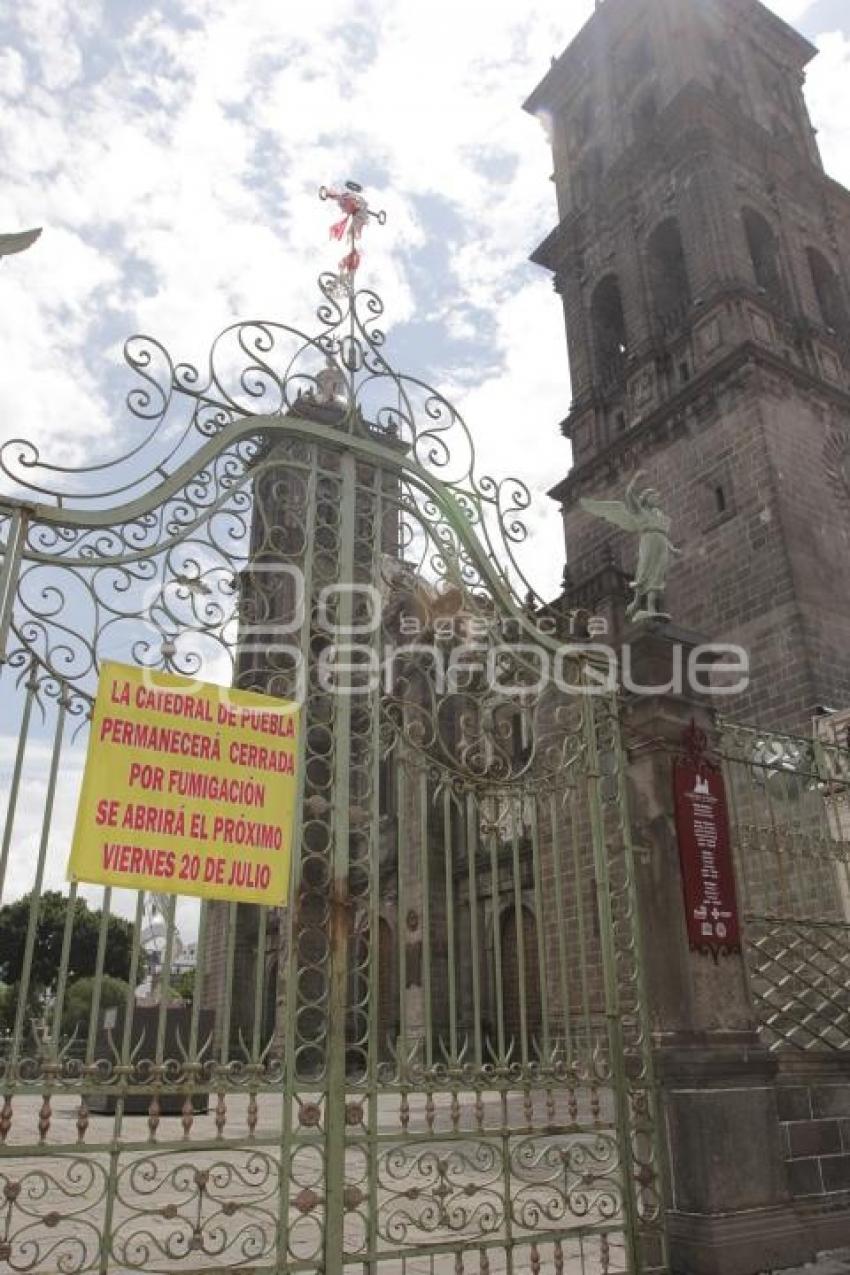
x=703, y=258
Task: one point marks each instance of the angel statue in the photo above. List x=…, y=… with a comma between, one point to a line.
x=19, y=241
x=641, y=513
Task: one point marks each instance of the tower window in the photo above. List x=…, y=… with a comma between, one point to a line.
x=720, y=499
x=585, y=119
x=764, y=254
x=589, y=176
x=668, y=273
x=829, y=293
x=645, y=114
x=639, y=60
x=610, y=339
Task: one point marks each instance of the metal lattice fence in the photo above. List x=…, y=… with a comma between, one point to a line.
x=790, y=807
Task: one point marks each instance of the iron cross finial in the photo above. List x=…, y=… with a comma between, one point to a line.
x=357, y=212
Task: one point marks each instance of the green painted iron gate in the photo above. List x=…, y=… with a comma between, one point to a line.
x=437, y=1058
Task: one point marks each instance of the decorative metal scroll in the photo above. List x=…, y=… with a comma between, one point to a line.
x=440, y=1051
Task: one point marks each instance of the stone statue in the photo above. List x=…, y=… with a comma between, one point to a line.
x=330, y=384
x=18, y=242
x=640, y=513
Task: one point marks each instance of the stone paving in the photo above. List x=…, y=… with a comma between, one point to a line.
x=836, y=1263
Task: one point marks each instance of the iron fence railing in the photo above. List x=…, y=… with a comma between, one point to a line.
x=789, y=800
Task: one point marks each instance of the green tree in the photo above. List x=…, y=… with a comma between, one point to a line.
x=78, y=1001
x=52, y=912
x=8, y=1003
x=184, y=986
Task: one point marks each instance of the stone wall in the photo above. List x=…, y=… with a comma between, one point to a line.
x=771, y=571
x=813, y=1093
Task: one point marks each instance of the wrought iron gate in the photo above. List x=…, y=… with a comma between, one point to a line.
x=437, y=1058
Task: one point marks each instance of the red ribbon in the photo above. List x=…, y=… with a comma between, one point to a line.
x=349, y=264
x=354, y=220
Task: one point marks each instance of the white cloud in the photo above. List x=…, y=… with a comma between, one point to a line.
x=829, y=100
x=11, y=73
x=791, y=10
x=175, y=163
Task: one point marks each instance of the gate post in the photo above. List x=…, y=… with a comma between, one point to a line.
x=729, y=1206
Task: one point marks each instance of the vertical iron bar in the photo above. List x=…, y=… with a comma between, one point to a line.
x=165, y=979
x=100, y=961
x=497, y=941
x=401, y=825
x=374, y=1009
x=559, y=905
x=35, y=894
x=62, y=979
x=448, y=858
x=9, y=572
x=425, y=918
x=290, y=1064
x=340, y=903
x=15, y=786
x=472, y=878
x=578, y=876
x=259, y=985
x=543, y=974
x=229, y=967
x=200, y=962
x=126, y=1050
x=519, y=918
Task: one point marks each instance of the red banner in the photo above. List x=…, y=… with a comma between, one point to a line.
x=705, y=853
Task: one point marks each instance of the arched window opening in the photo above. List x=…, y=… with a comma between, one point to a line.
x=645, y=114
x=584, y=121
x=829, y=293
x=589, y=176
x=668, y=274
x=723, y=71
x=764, y=254
x=610, y=340
x=639, y=60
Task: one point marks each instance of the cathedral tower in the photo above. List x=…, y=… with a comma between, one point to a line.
x=703, y=258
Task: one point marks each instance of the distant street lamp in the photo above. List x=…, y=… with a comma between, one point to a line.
x=19, y=242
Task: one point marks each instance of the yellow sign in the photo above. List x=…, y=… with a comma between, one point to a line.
x=189, y=788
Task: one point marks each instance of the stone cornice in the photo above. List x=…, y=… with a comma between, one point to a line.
x=671, y=417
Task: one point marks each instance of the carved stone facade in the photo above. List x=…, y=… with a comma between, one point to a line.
x=703, y=256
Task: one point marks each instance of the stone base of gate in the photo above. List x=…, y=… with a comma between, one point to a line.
x=763, y=1240
x=731, y=1211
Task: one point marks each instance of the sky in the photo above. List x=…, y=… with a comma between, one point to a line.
x=173, y=152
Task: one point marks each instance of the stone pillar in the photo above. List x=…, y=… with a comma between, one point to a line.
x=730, y=1209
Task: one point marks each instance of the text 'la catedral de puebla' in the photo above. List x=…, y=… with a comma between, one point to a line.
x=189, y=788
